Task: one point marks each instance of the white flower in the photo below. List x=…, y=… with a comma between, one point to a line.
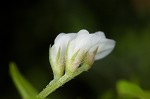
x=57, y=53
x=70, y=50
x=84, y=45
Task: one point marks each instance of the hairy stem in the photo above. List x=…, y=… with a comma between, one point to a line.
x=54, y=84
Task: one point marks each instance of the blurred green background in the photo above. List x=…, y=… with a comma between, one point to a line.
x=29, y=27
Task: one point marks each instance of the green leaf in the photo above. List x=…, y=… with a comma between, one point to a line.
x=147, y=94
x=130, y=89
x=26, y=90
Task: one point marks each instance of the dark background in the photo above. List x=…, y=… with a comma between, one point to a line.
x=29, y=27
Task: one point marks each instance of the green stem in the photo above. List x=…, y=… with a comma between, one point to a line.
x=54, y=84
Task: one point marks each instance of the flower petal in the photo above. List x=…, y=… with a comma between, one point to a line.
x=61, y=42
x=53, y=53
x=105, y=48
x=83, y=32
x=100, y=34
x=57, y=39
x=84, y=41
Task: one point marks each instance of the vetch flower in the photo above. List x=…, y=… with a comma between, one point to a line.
x=57, y=53
x=74, y=53
x=71, y=50
x=100, y=50
x=85, y=48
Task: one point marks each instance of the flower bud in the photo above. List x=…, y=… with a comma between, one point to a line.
x=57, y=53
x=71, y=50
x=87, y=48
x=100, y=50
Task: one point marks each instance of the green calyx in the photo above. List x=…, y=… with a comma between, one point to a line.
x=57, y=65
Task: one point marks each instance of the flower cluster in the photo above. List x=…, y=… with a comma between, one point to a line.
x=73, y=49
